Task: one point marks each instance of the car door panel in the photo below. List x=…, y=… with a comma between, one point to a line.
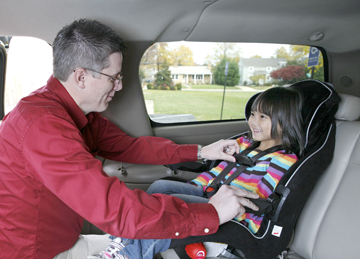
x=141, y=176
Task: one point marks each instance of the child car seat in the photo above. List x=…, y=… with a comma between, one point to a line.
x=320, y=103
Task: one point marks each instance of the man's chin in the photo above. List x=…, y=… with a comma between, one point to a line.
x=103, y=108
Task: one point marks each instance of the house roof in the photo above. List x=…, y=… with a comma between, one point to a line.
x=261, y=62
x=190, y=70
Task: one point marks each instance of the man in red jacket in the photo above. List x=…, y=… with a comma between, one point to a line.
x=50, y=179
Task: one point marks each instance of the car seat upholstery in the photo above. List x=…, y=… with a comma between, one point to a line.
x=327, y=225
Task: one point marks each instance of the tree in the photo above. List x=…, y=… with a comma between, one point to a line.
x=282, y=53
x=298, y=56
x=318, y=73
x=299, y=52
x=223, y=50
x=164, y=56
x=233, y=75
x=289, y=74
x=183, y=56
x=163, y=78
x=157, y=55
x=142, y=74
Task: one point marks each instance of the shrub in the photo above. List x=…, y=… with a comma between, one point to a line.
x=164, y=87
x=150, y=86
x=178, y=86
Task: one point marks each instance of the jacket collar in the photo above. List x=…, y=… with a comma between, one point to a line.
x=63, y=96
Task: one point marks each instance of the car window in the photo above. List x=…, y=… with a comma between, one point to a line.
x=198, y=81
x=29, y=66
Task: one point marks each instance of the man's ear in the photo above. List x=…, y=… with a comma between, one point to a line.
x=80, y=76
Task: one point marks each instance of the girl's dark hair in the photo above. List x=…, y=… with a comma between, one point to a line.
x=283, y=105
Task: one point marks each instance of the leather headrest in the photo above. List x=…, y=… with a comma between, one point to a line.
x=349, y=108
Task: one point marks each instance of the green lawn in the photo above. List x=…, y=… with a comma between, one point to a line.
x=258, y=88
x=204, y=105
x=210, y=87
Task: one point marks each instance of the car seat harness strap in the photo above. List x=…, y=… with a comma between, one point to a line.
x=265, y=205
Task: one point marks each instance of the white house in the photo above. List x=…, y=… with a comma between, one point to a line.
x=259, y=66
x=191, y=74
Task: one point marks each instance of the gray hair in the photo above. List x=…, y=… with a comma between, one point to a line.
x=86, y=44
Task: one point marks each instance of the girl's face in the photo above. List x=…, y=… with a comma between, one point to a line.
x=260, y=125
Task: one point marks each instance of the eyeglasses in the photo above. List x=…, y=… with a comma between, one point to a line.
x=117, y=79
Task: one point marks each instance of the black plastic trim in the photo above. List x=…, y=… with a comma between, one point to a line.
x=2, y=80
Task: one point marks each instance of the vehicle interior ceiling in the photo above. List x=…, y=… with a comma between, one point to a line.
x=141, y=23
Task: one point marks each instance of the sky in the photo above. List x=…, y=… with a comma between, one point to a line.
x=202, y=49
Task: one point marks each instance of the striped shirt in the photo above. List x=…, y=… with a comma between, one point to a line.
x=261, y=179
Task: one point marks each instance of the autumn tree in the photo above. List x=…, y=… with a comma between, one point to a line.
x=183, y=56
x=303, y=51
x=223, y=50
x=157, y=55
x=298, y=56
x=289, y=74
x=299, y=52
x=282, y=53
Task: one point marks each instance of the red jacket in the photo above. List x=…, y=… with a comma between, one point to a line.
x=50, y=180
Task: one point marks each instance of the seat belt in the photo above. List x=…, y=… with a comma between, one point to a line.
x=265, y=205
x=216, y=183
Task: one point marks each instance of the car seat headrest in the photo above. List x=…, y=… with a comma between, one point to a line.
x=320, y=103
x=349, y=108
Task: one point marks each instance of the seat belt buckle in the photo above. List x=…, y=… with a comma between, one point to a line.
x=244, y=160
x=279, y=196
x=273, y=197
x=210, y=191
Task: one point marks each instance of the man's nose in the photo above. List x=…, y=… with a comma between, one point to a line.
x=118, y=86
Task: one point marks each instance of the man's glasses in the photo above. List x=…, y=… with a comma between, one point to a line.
x=117, y=79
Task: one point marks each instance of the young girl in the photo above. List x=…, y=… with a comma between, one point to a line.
x=275, y=119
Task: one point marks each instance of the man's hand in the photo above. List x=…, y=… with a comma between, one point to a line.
x=222, y=150
x=230, y=201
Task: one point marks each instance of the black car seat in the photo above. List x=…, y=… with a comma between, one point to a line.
x=276, y=231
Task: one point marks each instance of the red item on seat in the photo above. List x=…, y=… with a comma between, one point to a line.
x=196, y=251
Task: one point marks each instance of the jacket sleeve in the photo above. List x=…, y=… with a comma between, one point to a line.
x=55, y=154
x=116, y=145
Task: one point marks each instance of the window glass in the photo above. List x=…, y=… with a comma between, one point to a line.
x=29, y=66
x=198, y=81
